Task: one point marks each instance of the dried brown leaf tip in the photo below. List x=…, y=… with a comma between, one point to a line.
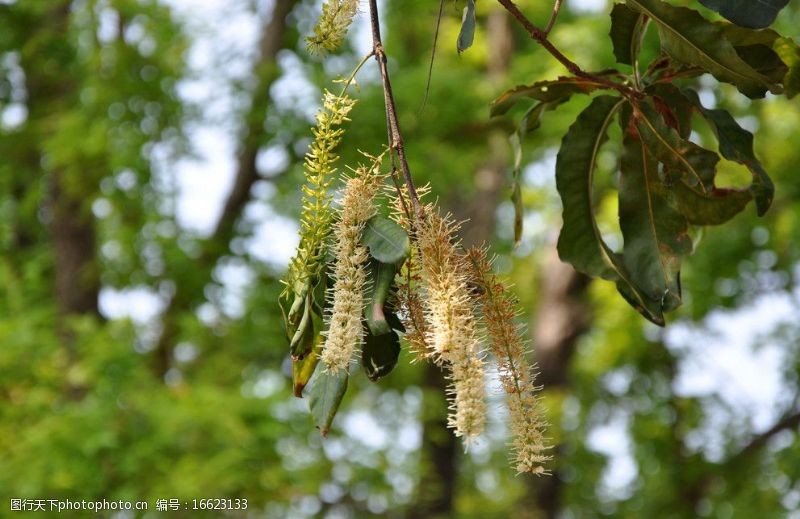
x=508, y=345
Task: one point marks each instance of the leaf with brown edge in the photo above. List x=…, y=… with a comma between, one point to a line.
x=697, y=165
x=736, y=144
x=673, y=106
x=713, y=207
x=548, y=91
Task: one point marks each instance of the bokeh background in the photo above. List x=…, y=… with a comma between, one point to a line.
x=150, y=164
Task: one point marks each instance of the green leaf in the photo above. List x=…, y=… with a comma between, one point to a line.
x=302, y=340
x=529, y=122
x=547, y=91
x=580, y=242
x=467, y=33
x=790, y=55
x=327, y=391
x=381, y=276
x=714, y=207
x=747, y=13
x=379, y=354
x=693, y=40
x=626, y=33
x=386, y=240
x=673, y=105
x=736, y=144
x=656, y=235
x=756, y=48
x=303, y=369
x=697, y=164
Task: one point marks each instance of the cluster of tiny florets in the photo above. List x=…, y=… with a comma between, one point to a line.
x=507, y=344
x=332, y=26
x=345, y=332
x=452, y=334
x=320, y=170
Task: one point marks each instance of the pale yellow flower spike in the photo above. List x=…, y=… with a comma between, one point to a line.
x=452, y=333
x=507, y=344
x=344, y=331
x=319, y=170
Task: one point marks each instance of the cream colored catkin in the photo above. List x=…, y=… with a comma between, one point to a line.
x=344, y=331
x=507, y=344
x=451, y=327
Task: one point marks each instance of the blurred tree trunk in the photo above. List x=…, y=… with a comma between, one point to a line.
x=71, y=224
x=265, y=70
x=440, y=448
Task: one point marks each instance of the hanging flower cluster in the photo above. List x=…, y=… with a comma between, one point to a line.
x=361, y=280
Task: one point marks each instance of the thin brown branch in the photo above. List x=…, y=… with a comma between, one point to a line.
x=790, y=420
x=552, y=21
x=252, y=136
x=540, y=37
x=393, y=127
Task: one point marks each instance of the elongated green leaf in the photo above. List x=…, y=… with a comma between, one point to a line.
x=691, y=39
x=698, y=165
x=467, y=33
x=789, y=53
x=381, y=276
x=580, y=242
x=747, y=13
x=626, y=32
x=327, y=391
x=529, y=122
x=386, y=240
x=379, y=354
x=656, y=235
x=546, y=91
x=736, y=144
